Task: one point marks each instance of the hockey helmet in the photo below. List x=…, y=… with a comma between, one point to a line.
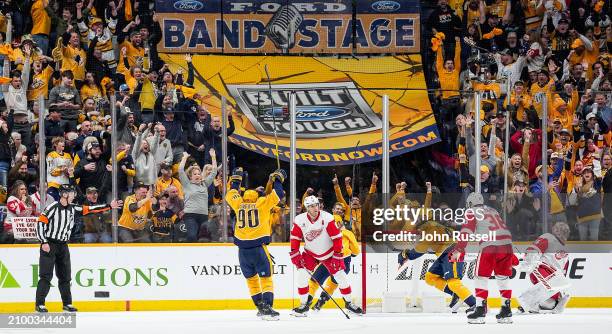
x=250, y=196
x=311, y=200
x=66, y=188
x=474, y=199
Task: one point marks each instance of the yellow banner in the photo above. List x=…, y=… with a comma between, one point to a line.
x=339, y=103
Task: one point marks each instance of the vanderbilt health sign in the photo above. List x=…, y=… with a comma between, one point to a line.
x=283, y=26
x=212, y=273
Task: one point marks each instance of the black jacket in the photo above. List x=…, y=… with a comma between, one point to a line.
x=99, y=177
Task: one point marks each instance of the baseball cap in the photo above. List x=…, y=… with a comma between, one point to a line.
x=591, y=115
x=555, y=155
x=557, y=120
x=91, y=145
x=500, y=113
x=90, y=190
x=563, y=20
x=484, y=169
x=565, y=131
x=124, y=88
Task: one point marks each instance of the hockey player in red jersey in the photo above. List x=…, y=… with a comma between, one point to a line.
x=546, y=261
x=495, y=257
x=322, y=244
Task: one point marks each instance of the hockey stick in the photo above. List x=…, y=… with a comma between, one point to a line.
x=330, y=296
x=273, y=117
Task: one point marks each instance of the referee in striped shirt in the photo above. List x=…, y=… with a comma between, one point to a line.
x=53, y=230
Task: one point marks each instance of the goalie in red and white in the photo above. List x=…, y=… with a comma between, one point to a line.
x=546, y=261
x=322, y=245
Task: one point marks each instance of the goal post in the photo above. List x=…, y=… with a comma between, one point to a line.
x=385, y=287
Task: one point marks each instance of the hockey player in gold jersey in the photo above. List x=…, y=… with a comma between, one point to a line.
x=252, y=235
x=443, y=274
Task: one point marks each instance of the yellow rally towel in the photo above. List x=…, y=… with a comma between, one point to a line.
x=6, y=49
x=128, y=10
x=435, y=44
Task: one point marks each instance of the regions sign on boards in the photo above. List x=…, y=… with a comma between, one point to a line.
x=339, y=103
x=289, y=27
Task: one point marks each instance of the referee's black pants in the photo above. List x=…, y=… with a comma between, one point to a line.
x=58, y=257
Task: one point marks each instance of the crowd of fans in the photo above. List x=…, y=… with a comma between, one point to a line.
x=520, y=55
x=75, y=56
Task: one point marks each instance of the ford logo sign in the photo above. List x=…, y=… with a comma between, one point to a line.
x=386, y=6
x=188, y=5
x=310, y=113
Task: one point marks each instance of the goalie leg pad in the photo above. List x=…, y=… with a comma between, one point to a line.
x=561, y=303
x=530, y=299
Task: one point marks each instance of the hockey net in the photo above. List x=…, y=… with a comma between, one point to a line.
x=385, y=287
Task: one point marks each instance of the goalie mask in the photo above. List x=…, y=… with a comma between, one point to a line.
x=250, y=196
x=561, y=230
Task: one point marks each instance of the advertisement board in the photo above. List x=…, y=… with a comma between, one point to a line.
x=209, y=277
x=289, y=27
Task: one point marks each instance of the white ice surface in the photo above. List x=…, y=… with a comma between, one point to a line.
x=574, y=321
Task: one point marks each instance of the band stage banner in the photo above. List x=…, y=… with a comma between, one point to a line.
x=339, y=103
x=289, y=27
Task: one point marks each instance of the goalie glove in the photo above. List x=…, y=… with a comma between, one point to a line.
x=278, y=174
x=237, y=174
